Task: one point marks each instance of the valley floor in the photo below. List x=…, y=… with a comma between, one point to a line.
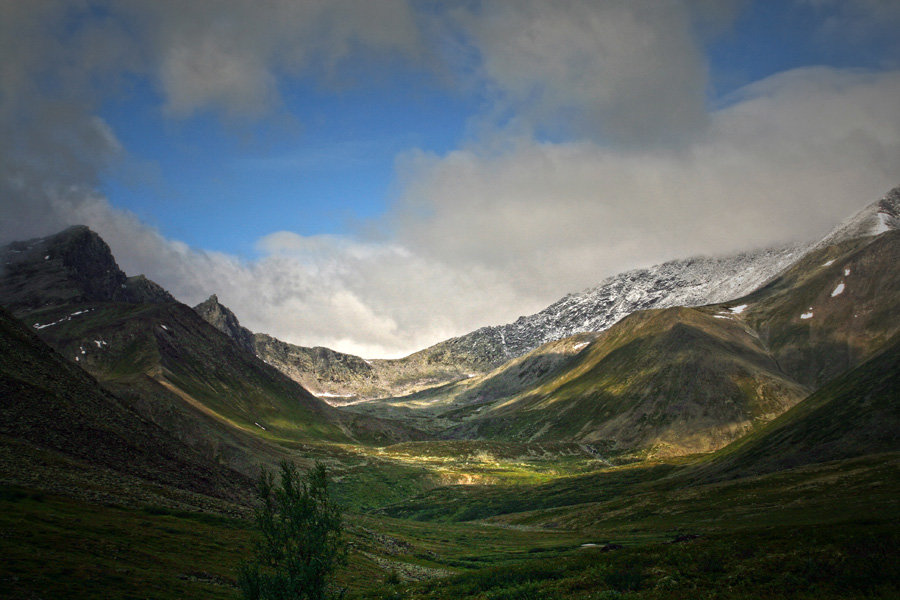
x=548, y=526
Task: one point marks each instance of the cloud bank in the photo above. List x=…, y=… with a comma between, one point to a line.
x=596, y=151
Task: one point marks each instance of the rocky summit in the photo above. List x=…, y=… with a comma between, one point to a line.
x=75, y=265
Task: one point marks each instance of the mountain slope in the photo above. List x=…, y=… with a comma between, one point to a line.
x=832, y=310
x=163, y=358
x=856, y=414
x=48, y=402
x=675, y=380
x=875, y=219
x=688, y=282
x=332, y=375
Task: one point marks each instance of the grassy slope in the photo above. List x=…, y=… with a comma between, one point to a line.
x=50, y=403
x=846, y=328
x=167, y=349
x=677, y=379
x=170, y=344
x=855, y=414
x=686, y=380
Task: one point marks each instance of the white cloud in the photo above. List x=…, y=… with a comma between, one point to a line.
x=230, y=58
x=787, y=159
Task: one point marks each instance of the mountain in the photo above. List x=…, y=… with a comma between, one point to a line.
x=674, y=381
x=163, y=359
x=48, y=404
x=875, y=219
x=224, y=320
x=688, y=282
x=337, y=376
x=683, y=380
x=855, y=414
x=72, y=266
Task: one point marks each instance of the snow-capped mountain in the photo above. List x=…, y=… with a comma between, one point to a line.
x=687, y=282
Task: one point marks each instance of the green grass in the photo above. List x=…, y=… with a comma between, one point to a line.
x=59, y=547
x=62, y=548
x=462, y=503
x=796, y=562
x=824, y=531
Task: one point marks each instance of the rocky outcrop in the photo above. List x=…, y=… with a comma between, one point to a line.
x=72, y=266
x=224, y=320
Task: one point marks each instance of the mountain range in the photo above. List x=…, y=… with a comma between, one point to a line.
x=629, y=364
x=664, y=398
x=343, y=377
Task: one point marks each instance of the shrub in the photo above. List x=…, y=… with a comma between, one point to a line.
x=301, y=541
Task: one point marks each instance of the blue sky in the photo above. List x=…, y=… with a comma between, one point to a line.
x=376, y=177
x=322, y=164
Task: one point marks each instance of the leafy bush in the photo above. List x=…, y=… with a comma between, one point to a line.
x=302, y=538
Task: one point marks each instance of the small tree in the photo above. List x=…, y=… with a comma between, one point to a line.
x=302, y=537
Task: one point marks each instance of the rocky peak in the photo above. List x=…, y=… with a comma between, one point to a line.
x=220, y=317
x=74, y=265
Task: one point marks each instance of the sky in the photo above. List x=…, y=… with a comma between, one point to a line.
x=376, y=177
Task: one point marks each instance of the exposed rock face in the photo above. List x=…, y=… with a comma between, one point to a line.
x=224, y=320
x=337, y=377
x=138, y=289
x=72, y=266
x=330, y=374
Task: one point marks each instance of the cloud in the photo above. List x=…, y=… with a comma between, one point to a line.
x=231, y=58
x=626, y=69
x=482, y=237
x=62, y=59
x=370, y=299
x=785, y=160
x=846, y=24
